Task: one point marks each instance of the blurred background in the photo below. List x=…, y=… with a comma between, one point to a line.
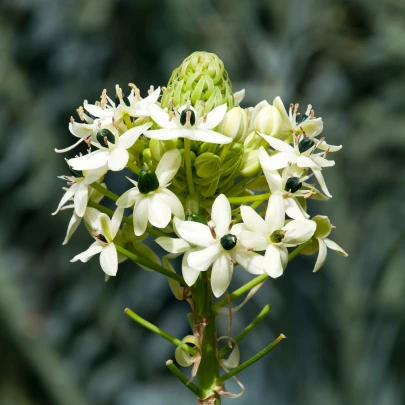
x=64, y=338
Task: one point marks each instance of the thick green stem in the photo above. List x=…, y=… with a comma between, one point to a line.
x=249, y=198
x=205, y=327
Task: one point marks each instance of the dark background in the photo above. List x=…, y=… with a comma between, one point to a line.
x=64, y=338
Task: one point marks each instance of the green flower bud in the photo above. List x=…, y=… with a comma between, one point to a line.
x=234, y=124
x=250, y=163
x=159, y=148
x=268, y=121
x=228, y=241
x=323, y=226
x=105, y=136
x=147, y=156
x=147, y=181
x=196, y=218
x=254, y=141
x=207, y=164
x=201, y=77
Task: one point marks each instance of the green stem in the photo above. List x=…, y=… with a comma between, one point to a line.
x=182, y=378
x=208, y=370
x=189, y=171
x=251, y=361
x=225, y=151
x=109, y=194
x=127, y=220
x=133, y=167
x=128, y=121
x=165, y=335
x=257, y=280
x=249, y=198
x=223, y=352
x=149, y=264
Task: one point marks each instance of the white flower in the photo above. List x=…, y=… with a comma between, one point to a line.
x=153, y=201
x=323, y=229
x=104, y=232
x=79, y=189
x=220, y=244
x=288, y=186
x=187, y=123
x=298, y=157
x=272, y=235
x=114, y=153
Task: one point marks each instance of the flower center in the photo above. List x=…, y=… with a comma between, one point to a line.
x=293, y=184
x=228, y=241
x=277, y=236
x=187, y=116
x=305, y=144
x=147, y=181
x=104, y=136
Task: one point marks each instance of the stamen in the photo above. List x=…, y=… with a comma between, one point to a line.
x=303, y=132
x=326, y=152
x=309, y=109
x=310, y=193
x=312, y=115
x=137, y=95
x=103, y=98
x=164, y=89
x=188, y=116
x=72, y=120
x=232, y=261
x=171, y=104
x=205, y=118
x=202, y=104
x=171, y=115
x=151, y=90
x=296, y=108
x=119, y=92
x=231, y=224
x=115, y=125
x=212, y=230
x=80, y=112
x=132, y=86
x=88, y=141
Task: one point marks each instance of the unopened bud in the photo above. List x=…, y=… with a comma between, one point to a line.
x=234, y=124
x=254, y=141
x=253, y=111
x=250, y=163
x=159, y=148
x=207, y=164
x=268, y=121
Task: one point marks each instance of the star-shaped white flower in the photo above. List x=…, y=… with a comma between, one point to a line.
x=272, y=235
x=113, y=153
x=153, y=201
x=79, y=189
x=288, y=186
x=298, y=157
x=104, y=232
x=220, y=246
x=187, y=123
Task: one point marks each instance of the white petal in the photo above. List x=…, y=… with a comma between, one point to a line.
x=303, y=161
x=109, y=260
x=89, y=253
x=206, y=135
x=118, y=159
x=312, y=127
x=81, y=130
x=153, y=97
x=272, y=176
x=294, y=210
x=105, y=223
x=280, y=107
x=190, y=275
x=128, y=198
x=272, y=262
x=280, y=160
x=140, y=216
x=239, y=96
x=173, y=245
x=131, y=136
x=66, y=197
x=321, y=181
x=81, y=198
x=253, y=240
x=116, y=221
x=250, y=261
x=91, y=176
x=320, y=261
x=73, y=224
x=194, y=233
x=221, y=275
x=275, y=214
x=173, y=202
x=93, y=160
x=166, y=134
x=237, y=229
x=159, y=116
x=159, y=212
x=322, y=162
x=203, y=259
x=298, y=231
x=221, y=214
x=91, y=216
x=69, y=147
x=214, y=117
x=253, y=220
x=330, y=148
x=94, y=109
x=334, y=246
x=168, y=166
x=277, y=144
x=283, y=256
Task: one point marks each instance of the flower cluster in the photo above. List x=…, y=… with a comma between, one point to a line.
x=220, y=184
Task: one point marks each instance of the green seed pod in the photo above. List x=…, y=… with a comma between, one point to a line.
x=305, y=144
x=159, y=148
x=228, y=241
x=201, y=77
x=277, y=236
x=104, y=136
x=147, y=181
x=234, y=124
x=196, y=218
x=250, y=163
x=207, y=164
x=293, y=184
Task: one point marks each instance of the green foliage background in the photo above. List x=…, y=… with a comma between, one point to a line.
x=63, y=336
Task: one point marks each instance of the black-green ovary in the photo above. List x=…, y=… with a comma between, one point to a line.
x=147, y=181
x=305, y=144
x=228, y=241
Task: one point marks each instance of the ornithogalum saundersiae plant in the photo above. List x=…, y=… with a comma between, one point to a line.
x=223, y=186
